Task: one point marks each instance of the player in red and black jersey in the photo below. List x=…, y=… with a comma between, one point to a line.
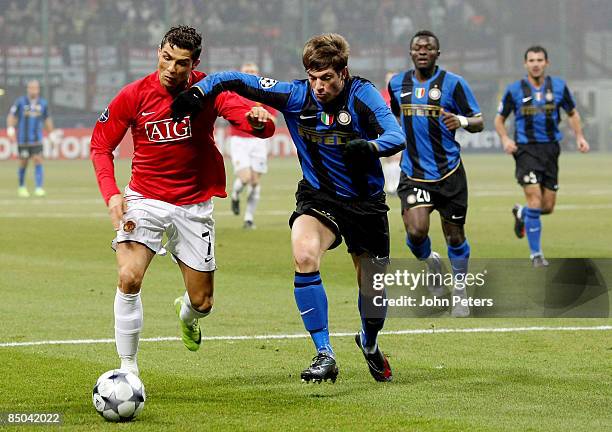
x=176, y=170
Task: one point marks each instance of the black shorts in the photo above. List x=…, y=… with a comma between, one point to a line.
x=363, y=224
x=538, y=164
x=26, y=151
x=449, y=196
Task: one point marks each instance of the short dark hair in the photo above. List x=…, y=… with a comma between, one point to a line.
x=537, y=49
x=184, y=37
x=425, y=33
x=324, y=51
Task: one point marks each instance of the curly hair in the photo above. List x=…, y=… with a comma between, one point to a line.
x=184, y=37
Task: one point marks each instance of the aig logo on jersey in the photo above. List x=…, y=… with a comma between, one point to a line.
x=167, y=130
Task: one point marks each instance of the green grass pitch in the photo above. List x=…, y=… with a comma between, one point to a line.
x=58, y=278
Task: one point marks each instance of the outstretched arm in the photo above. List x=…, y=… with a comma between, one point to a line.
x=259, y=89
x=241, y=113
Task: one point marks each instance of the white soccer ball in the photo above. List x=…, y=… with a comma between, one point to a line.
x=118, y=395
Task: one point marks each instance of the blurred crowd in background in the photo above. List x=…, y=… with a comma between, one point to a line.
x=85, y=50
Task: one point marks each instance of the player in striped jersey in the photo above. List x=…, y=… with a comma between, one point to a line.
x=340, y=126
x=25, y=122
x=535, y=101
x=431, y=104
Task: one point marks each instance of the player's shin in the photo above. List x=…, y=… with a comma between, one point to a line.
x=420, y=250
x=252, y=200
x=21, y=176
x=459, y=257
x=533, y=227
x=128, y=325
x=311, y=301
x=188, y=314
x=370, y=326
x=237, y=188
x=39, y=175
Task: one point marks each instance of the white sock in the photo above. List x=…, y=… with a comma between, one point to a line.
x=237, y=188
x=128, y=324
x=188, y=314
x=252, y=201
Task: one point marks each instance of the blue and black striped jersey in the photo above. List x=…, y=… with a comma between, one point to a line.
x=320, y=131
x=31, y=115
x=536, y=110
x=432, y=152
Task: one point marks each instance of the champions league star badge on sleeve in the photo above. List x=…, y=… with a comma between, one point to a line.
x=104, y=116
x=267, y=83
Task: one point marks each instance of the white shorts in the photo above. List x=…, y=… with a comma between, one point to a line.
x=190, y=229
x=249, y=153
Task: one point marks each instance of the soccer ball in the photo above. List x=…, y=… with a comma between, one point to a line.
x=118, y=395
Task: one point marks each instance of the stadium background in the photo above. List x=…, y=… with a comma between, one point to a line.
x=84, y=51
x=58, y=273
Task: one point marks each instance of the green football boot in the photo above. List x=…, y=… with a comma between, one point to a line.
x=192, y=336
